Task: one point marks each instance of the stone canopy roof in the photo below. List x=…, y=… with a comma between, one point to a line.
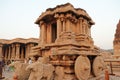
x=19, y=40
x=64, y=8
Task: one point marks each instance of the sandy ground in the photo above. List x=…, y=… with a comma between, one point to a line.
x=8, y=76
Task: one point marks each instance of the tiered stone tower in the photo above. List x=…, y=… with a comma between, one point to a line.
x=65, y=37
x=117, y=40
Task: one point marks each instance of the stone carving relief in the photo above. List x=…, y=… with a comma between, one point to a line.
x=41, y=70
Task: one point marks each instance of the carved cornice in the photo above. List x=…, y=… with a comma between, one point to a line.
x=19, y=40
x=50, y=12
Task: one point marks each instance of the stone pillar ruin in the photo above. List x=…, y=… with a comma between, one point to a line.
x=22, y=53
x=15, y=49
x=9, y=53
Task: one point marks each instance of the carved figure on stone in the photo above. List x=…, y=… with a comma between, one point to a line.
x=20, y=70
x=41, y=70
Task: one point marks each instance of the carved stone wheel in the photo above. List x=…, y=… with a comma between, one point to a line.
x=98, y=66
x=82, y=68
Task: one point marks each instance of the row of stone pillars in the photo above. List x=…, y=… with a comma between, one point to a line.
x=64, y=23
x=69, y=23
x=15, y=51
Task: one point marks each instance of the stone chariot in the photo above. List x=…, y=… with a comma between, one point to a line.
x=65, y=37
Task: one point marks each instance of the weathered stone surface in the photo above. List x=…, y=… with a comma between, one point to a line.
x=20, y=70
x=16, y=49
x=63, y=9
x=98, y=66
x=65, y=35
x=40, y=70
x=82, y=66
x=116, y=42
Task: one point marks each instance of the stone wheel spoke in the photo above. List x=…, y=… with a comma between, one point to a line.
x=82, y=68
x=98, y=66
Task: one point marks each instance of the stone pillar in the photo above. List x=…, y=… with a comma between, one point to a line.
x=22, y=53
x=89, y=29
x=80, y=26
x=1, y=54
x=6, y=53
x=9, y=53
x=43, y=32
x=26, y=50
x=83, y=27
x=68, y=26
x=48, y=34
x=39, y=36
x=58, y=27
x=13, y=51
x=86, y=27
x=58, y=24
x=17, y=51
x=64, y=26
x=77, y=28
x=63, y=22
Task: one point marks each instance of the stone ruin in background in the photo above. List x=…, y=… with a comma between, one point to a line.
x=116, y=41
x=16, y=49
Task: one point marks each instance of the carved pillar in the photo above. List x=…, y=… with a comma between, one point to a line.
x=1, y=54
x=64, y=26
x=80, y=25
x=86, y=26
x=22, y=53
x=43, y=32
x=68, y=26
x=6, y=53
x=17, y=51
x=39, y=36
x=83, y=28
x=48, y=33
x=9, y=53
x=89, y=29
x=26, y=50
x=86, y=29
x=77, y=28
x=58, y=27
x=63, y=22
x=13, y=51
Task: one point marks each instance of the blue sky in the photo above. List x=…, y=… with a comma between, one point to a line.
x=17, y=18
